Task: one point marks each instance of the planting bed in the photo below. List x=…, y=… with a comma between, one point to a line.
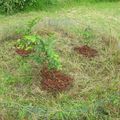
x=55, y=81
x=86, y=51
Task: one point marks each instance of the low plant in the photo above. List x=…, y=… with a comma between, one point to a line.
x=29, y=40
x=45, y=53
x=43, y=47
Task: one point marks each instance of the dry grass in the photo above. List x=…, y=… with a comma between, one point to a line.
x=95, y=93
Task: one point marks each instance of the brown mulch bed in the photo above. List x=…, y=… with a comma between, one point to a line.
x=86, y=51
x=55, y=81
x=23, y=52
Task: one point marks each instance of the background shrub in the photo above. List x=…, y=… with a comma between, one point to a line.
x=45, y=4
x=10, y=6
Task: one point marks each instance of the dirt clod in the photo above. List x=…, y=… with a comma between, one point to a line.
x=55, y=81
x=86, y=51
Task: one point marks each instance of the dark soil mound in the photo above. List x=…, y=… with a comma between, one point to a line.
x=23, y=52
x=86, y=51
x=55, y=81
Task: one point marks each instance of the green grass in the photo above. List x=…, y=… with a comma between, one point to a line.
x=95, y=94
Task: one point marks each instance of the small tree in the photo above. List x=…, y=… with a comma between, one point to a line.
x=45, y=53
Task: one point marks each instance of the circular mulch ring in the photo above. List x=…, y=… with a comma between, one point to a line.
x=86, y=51
x=55, y=81
x=23, y=53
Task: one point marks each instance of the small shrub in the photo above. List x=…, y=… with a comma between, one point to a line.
x=43, y=47
x=29, y=40
x=45, y=53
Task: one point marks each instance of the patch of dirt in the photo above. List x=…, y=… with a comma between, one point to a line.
x=23, y=53
x=55, y=81
x=86, y=51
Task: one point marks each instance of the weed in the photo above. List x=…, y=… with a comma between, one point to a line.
x=87, y=35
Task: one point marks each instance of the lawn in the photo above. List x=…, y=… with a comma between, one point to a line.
x=95, y=93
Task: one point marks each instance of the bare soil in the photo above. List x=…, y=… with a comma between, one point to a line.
x=55, y=81
x=86, y=51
